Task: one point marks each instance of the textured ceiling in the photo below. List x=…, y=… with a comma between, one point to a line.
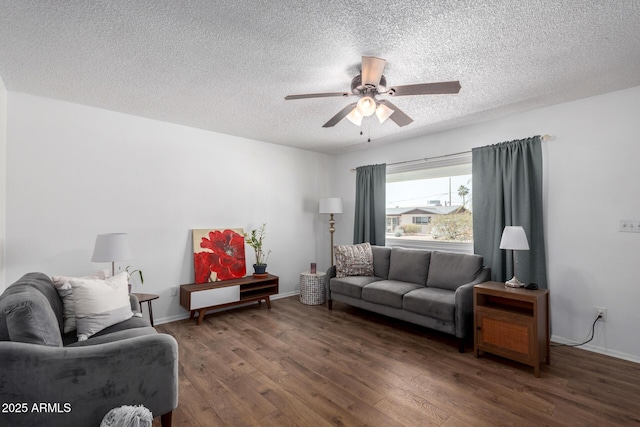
x=227, y=65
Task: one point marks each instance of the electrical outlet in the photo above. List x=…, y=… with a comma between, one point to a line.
x=629, y=226
x=602, y=311
x=174, y=291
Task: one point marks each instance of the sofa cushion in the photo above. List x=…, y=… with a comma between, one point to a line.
x=409, y=265
x=354, y=260
x=381, y=261
x=132, y=323
x=387, y=292
x=100, y=303
x=116, y=336
x=450, y=271
x=351, y=286
x=431, y=302
x=30, y=319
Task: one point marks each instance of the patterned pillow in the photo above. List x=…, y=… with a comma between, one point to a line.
x=354, y=260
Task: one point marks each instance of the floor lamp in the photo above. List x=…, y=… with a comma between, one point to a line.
x=112, y=247
x=514, y=239
x=331, y=206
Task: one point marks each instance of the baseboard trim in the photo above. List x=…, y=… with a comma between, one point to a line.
x=183, y=316
x=597, y=349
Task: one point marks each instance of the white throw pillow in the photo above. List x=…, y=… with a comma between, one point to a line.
x=66, y=294
x=100, y=303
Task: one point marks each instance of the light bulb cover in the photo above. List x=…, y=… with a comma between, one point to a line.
x=355, y=117
x=366, y=106
x=383, y=112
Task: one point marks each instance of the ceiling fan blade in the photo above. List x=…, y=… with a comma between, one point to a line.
x=398, y=116
x=372, y=69
x=341, y=115
x=317, y=95
x=425, y=89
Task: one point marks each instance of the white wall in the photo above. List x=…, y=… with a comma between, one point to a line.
x=591, y=183
x=3, y=180
x=76, y=171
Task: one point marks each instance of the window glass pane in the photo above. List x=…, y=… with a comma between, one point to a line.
x=430, y=204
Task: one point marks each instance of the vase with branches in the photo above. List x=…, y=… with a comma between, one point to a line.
x=255, y=240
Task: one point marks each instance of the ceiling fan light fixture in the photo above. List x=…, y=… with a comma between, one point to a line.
x=355, y=117
x=383, y=113
x=366, y=106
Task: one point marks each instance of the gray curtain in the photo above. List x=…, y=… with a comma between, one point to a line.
x=507, y=190
x=370, y=216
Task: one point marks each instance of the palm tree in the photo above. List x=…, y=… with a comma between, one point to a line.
x=462, y=192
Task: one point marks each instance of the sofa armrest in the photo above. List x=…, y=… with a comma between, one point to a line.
x=135, y=304
x=464, y=303
x=331, y=273
x=79, y=385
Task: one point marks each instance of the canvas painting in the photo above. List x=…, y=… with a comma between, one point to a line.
x=218, y=254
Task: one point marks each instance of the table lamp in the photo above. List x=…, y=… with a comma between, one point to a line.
x=514, y=239
x=112, y=247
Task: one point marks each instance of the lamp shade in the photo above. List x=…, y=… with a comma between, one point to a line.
x=514, y=238
x=112, y=247
x=383, y=113
x=331, y=205
x=355, y=117
x=366, y=106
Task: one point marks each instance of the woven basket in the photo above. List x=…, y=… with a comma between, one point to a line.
x=312, y=291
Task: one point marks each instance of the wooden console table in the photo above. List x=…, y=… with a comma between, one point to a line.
x=202, y=297
x=512, y=323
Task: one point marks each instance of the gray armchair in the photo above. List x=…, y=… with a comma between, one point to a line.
x=48, y=379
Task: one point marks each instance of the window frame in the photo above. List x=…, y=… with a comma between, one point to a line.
x=423, y=164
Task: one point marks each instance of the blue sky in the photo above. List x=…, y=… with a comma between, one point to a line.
x=420, y=192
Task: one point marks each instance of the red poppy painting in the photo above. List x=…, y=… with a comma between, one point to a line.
x=218, y=254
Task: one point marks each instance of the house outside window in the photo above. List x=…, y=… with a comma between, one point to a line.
x=429, y=204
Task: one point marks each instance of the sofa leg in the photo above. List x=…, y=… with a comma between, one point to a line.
x=165, y=419
x=461, y=345
x=329, y=304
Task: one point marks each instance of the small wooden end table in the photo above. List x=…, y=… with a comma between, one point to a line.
x=512, y=323
x=147, y=298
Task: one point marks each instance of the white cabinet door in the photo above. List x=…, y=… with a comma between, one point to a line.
x=216, y=296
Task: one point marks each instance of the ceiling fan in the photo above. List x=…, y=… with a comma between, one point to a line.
x=371, y=83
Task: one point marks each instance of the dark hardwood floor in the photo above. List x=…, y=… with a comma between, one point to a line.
x=298, y=365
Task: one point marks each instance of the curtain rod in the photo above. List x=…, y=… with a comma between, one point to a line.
x=424, y=159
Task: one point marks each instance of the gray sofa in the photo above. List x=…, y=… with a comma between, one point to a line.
x=48, y=378
x=432, y=289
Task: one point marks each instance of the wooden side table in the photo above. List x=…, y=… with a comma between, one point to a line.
x=512, y=323
x=147, y=298
x=312, y=291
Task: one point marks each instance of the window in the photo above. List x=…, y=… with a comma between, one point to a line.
x=429, y=204
x=421, y=219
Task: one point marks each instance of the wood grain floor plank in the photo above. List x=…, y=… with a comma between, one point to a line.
x=297, y=365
